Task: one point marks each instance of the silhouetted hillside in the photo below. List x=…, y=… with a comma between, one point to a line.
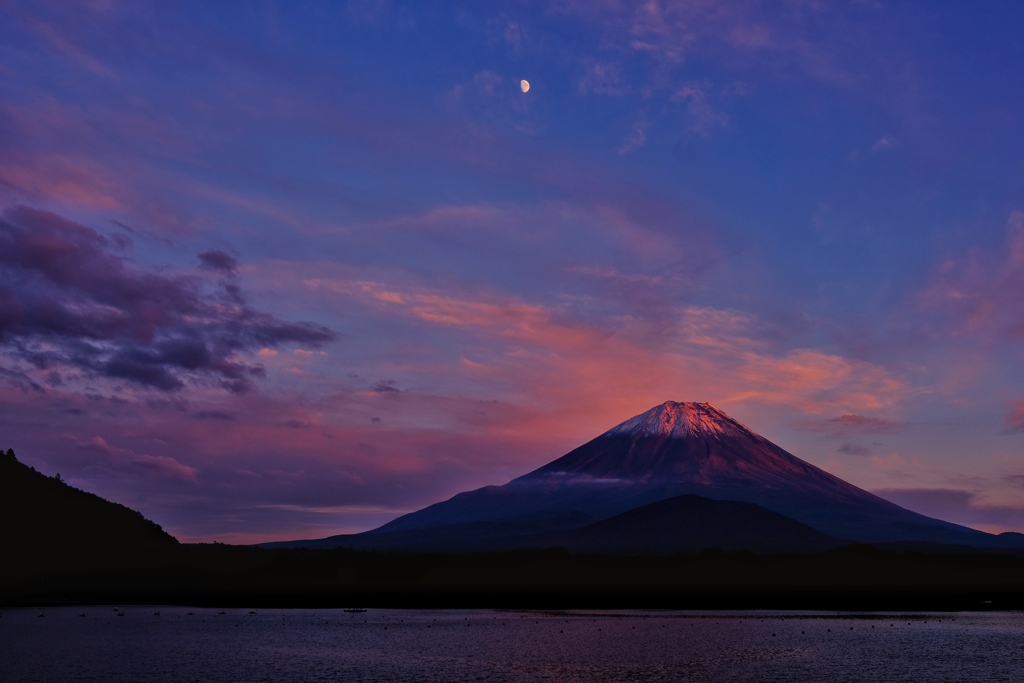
x=693, y=523
x=684, y=524
x=62, y=545
x=42, y=514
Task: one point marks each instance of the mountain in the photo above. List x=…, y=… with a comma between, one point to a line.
x=692, y=523
x=43, y=514
x=673, y=449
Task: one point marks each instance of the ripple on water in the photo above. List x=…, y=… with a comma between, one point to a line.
x=208, y=645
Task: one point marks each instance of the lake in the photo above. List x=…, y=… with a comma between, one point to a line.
x=181, y=644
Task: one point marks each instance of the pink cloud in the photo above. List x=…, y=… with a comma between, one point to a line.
x=978, y=294
x=704, y=117
x=750, y=34
x=602, y=78
x=67, y=181
x=1015, y=418
x=473, y=388
x=161, y=464
x=706, y=348
x=66, y=44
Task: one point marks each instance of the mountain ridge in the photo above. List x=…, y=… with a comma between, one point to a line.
x=670, y=450
x=45, y=514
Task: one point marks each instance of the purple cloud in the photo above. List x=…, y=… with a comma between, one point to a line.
x=1015, y=418
x=213, y=415
x=977, y=295
x=69, y=300
x=214, y=259
x=957, y=505
x=162, y=465
x=864, y=423
x=854, y=449
x=851, y=422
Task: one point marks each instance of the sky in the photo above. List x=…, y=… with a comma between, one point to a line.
x=280, y=270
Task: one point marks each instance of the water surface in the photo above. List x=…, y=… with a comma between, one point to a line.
x=212, y=646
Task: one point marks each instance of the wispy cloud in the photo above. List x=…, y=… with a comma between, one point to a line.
x=857, y=449
x=670, y=33
x=704, y=348
x=637, y=137
x=162, y=465
x=854, y=423
x=1015, y=418
x=703, y=116
x=967, y=507
x=882, y=144
x=978, y=294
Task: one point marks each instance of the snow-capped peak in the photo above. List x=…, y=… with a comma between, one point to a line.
x=676, y=420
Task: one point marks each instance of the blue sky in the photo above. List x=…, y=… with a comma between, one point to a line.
x=290, y=269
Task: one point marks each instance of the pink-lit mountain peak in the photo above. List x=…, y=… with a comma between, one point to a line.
x=678, y=420
x=692, y=443
x=677, y=449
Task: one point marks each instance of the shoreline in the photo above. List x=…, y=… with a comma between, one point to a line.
x=855, y=578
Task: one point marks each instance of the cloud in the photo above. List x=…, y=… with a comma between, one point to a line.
x=513, y=33
x=978, y=295
x=703, y=116
x=1015, y=418
x=851, y=422
x=385, y=386
x=215, y=259
x=637, y=138
x=931, y=502
x=863, y=423
x=67, y=44
x=69, y=299
x=746, y=33
x=213, y=415
x=816, y=381
x=854, y=449
x=882, y=144
x=959, y=506
x=601, y=78
x=555, y=352
x=20, y=380
x=160, y=464
x=751, y=37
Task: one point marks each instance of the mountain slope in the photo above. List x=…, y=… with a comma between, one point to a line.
x=686, y=448
x=40, y=514
x=691, y=523
x=671, y=450
x=685, y=523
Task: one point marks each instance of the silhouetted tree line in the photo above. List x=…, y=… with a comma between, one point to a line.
x=63, y=544
x=44, y=513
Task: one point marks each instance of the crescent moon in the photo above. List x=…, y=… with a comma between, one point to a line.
x=524, y=85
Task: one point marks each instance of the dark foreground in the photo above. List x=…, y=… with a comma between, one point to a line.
x=60, y=545
x=851, y=578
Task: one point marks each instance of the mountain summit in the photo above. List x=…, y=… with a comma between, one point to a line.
x=674, y=441
x=674, y=449
x=694, y=448
x=675, y=420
